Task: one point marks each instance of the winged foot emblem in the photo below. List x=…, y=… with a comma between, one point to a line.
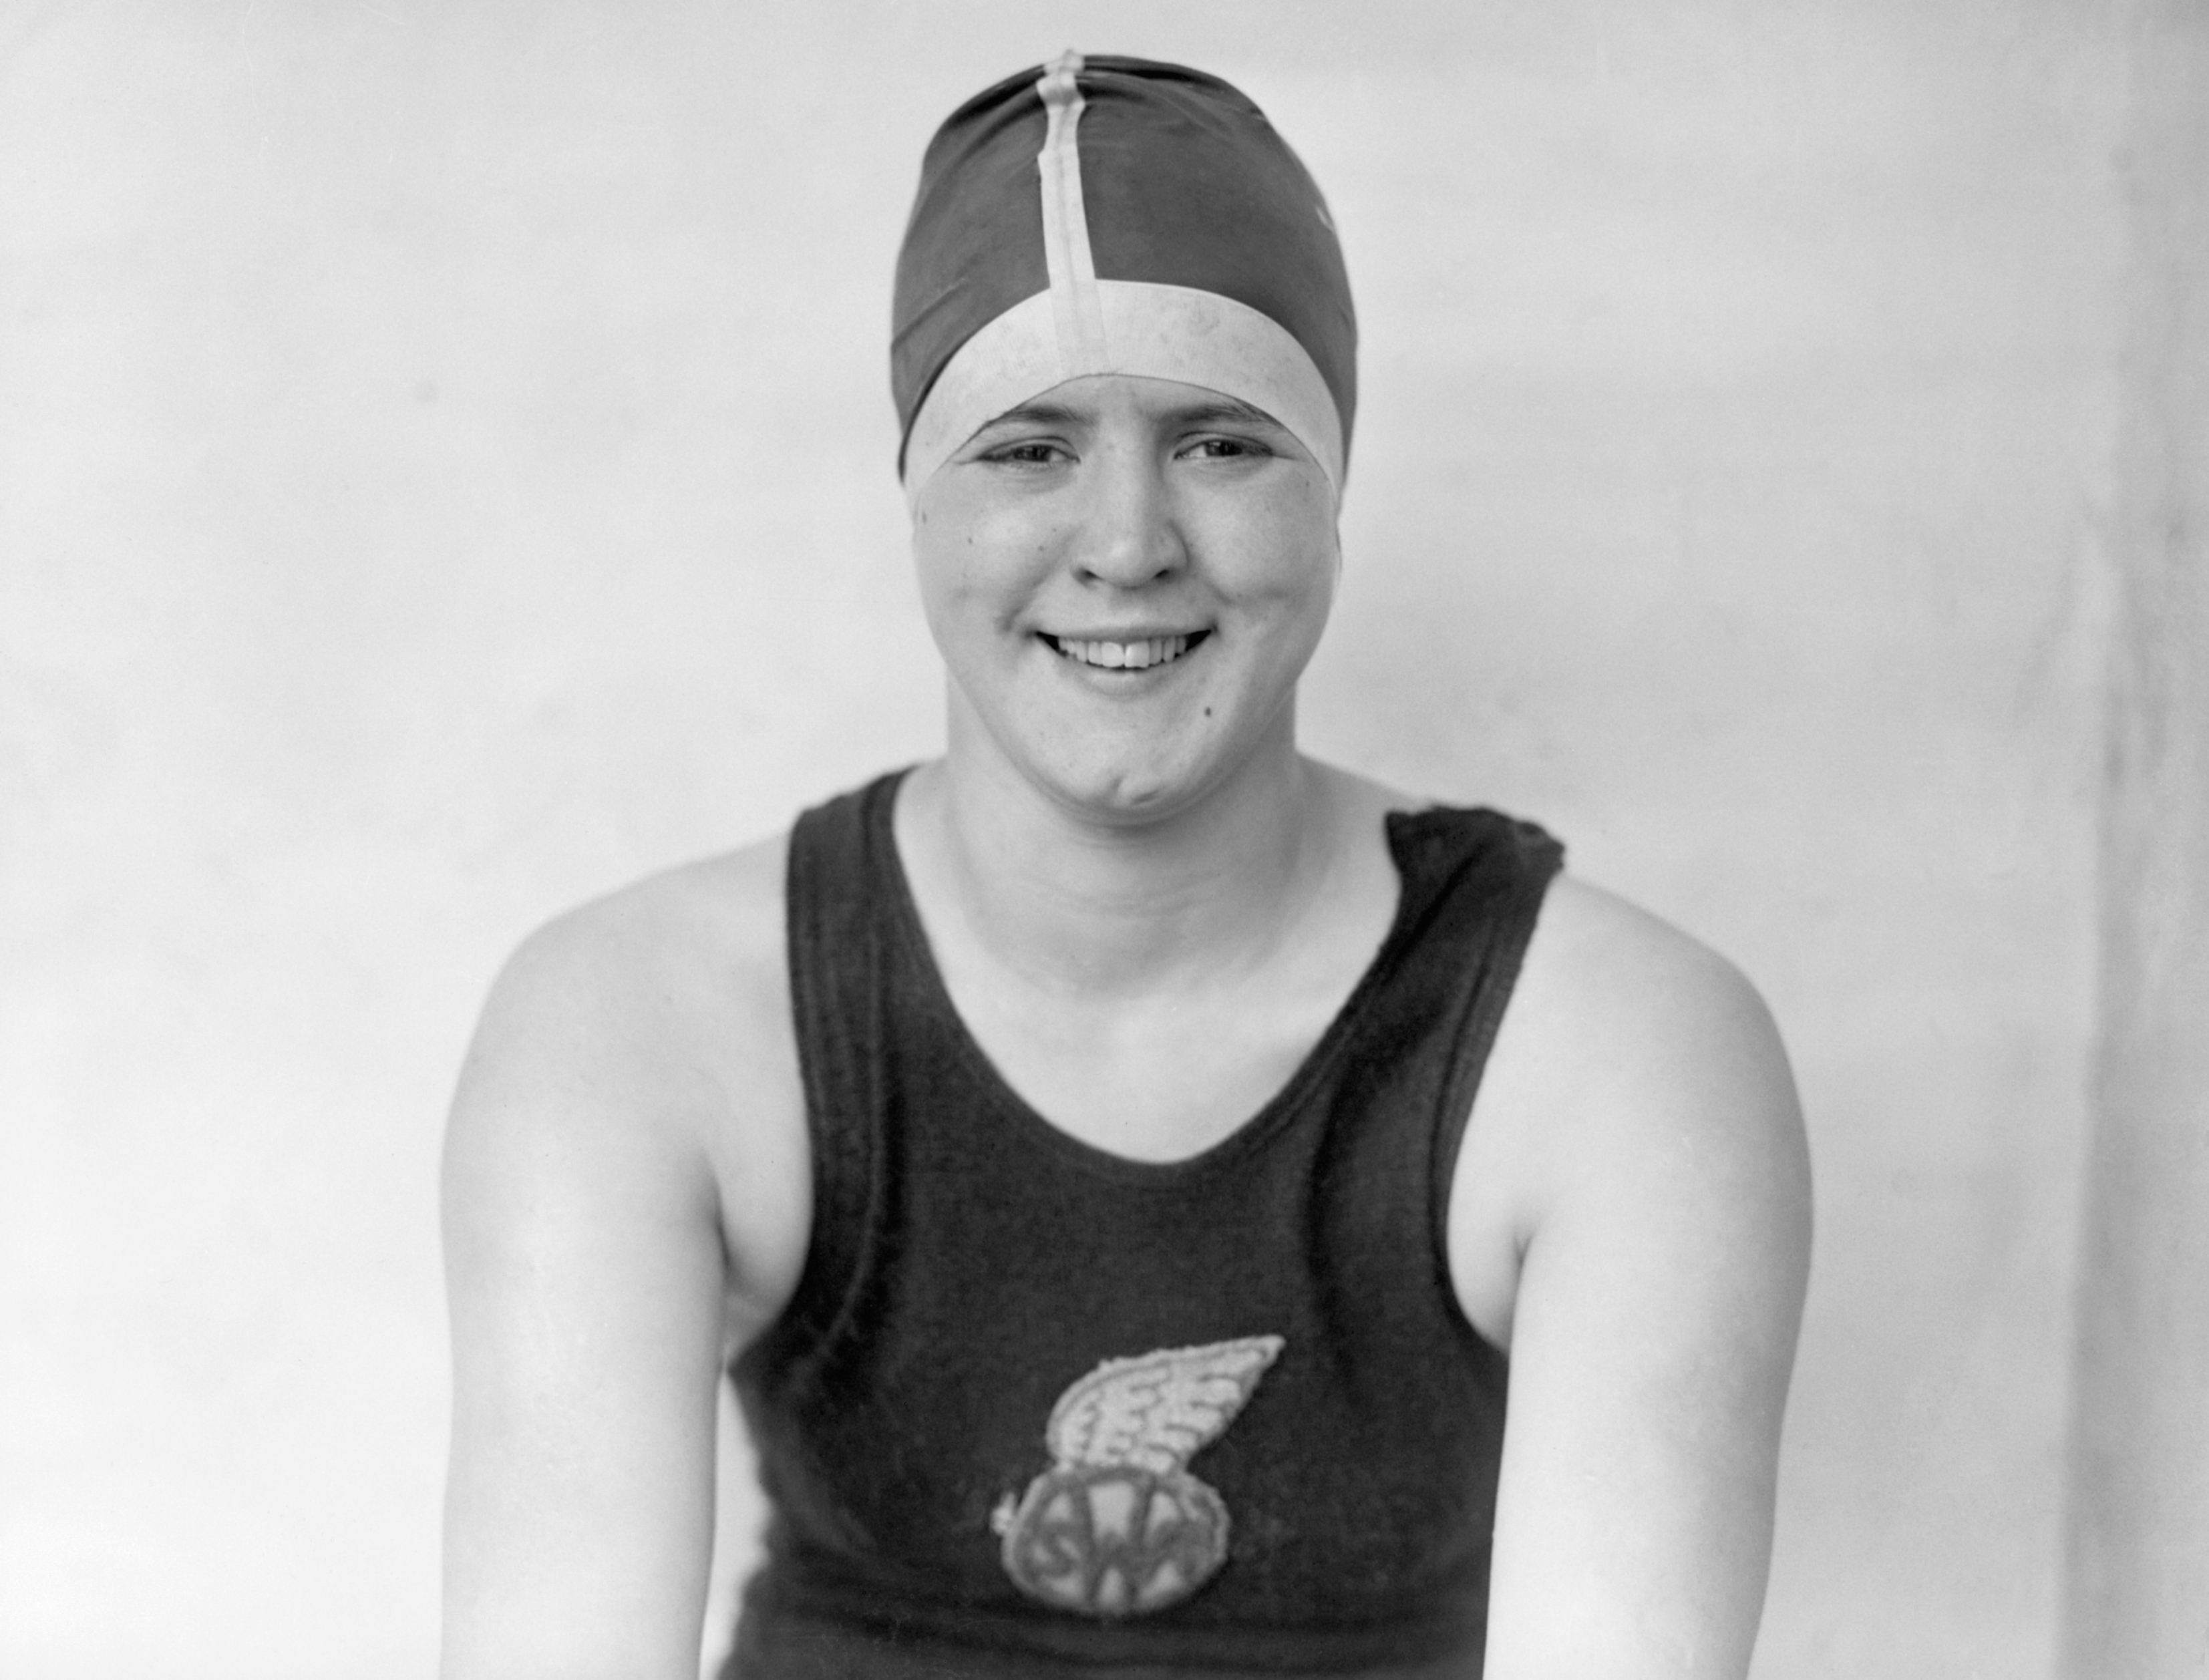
x=1117, y=1526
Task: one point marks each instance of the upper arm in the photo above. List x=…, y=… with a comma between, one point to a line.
x=1664, y=1247
x=585, y=1275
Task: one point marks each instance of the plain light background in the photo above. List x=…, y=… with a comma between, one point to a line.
x=446, y=471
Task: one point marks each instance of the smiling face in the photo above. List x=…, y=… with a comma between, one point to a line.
x=1126, y=577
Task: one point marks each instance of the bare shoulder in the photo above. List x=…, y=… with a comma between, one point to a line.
x=1612, y=995
x=625, y=1192
x=643, y=1039
x=1638, y=1080
x=1634, y=1227
x=675, y=962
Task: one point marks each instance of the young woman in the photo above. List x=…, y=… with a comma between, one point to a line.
x=1170, y=1206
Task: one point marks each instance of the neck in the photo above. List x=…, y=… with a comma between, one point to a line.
x=1079, y=901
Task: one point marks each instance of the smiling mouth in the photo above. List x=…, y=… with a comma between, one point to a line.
x=1125, y=655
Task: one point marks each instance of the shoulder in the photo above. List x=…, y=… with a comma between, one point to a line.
x=618, y=1209
x=648, y=960
x=656, y=988
x=1647, y=1223
x=1639, y=1095
x=639, y=1046
x=1611, y=996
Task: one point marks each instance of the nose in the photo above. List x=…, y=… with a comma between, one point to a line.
x=1129, y=534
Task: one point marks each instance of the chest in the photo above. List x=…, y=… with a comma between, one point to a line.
x=1168, y=1068
x=1010, y=1346
x=1156, y=1078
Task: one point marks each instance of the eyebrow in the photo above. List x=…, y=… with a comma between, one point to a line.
x=1225, y=408
x=1031, y=414
x=1196, y=413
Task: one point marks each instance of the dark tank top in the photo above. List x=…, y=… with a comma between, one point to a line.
x=1035, y=1409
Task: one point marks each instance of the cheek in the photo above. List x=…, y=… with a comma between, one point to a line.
x=1289, y=559
x=1282, y=539
x=947, y=550
x=974, y=575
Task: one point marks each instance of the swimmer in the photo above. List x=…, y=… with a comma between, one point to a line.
x=1167, y=1206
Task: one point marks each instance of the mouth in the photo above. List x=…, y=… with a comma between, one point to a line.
x=1137, y=655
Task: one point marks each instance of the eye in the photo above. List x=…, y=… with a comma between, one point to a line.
x=1224, y=449
x=1027, y=452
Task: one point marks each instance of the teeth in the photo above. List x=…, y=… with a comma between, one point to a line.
x=1125, y=655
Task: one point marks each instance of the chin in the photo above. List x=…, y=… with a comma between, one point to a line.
x=1125, y=794
x=1119, y=773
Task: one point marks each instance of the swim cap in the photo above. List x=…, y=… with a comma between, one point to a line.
x=1115, y=215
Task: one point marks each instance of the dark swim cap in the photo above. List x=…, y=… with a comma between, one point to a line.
x=1114, y=215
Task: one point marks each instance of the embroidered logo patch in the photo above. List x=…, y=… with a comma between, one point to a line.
x=1117, y=1525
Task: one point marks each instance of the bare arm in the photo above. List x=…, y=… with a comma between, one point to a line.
x=1664, y=1244
x=591, y=1293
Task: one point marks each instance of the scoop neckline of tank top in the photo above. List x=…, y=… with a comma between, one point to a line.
x=1268, y=1120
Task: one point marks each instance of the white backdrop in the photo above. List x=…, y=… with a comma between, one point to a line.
x=445, y=470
